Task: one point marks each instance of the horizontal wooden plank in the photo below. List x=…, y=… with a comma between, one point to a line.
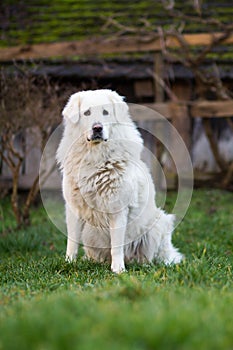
x=150, y=111
x=202, y=109
x=103, y=46
x=212, y=109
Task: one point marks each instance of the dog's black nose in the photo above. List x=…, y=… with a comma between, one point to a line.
x=97, y=128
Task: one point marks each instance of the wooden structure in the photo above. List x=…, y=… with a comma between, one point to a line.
x=99, y=46
x=73, y=59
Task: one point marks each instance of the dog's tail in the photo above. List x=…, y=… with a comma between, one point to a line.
x=167, y=253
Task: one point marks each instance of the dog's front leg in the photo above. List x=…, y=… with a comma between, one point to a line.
x=73, y=234
x=118, y=224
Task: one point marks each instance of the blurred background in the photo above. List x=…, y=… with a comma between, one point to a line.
x=173, y=57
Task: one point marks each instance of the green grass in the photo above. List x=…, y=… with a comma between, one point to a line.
x=46, y=303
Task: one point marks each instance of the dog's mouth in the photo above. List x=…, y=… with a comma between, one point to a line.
x=96, y=138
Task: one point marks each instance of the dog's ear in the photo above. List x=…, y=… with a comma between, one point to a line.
x=120, y=107
x=72, y=108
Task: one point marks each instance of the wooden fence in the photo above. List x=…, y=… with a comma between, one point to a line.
x=178, y=113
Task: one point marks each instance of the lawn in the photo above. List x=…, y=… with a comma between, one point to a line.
x=47, y=303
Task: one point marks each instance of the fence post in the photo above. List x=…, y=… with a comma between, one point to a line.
x=158, y=126
x=181, y=121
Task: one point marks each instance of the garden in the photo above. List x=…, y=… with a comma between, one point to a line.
x=175, y=59
x=48, y=303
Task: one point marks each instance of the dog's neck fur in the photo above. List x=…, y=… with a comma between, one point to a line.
x=98, y=154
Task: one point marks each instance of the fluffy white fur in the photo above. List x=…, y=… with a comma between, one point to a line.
x=109, y=193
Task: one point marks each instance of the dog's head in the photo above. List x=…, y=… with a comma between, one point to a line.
x=94, y=112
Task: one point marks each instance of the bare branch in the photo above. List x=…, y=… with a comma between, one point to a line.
x=162, y=83
x=209, y=133
x=214, y=43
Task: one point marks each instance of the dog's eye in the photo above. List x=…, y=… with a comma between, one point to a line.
x=88, y=112
x=105, y=112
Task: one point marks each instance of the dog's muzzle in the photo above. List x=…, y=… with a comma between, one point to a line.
x=97, y=133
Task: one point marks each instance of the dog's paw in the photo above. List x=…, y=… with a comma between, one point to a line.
x=174, y=258
x=71, y=258
x=118, y=267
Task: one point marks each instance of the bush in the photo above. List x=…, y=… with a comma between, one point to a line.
x=28, y=102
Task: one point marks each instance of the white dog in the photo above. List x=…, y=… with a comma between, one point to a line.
x=109, y=193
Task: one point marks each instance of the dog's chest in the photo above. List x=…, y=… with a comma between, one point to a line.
x=98, y=188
